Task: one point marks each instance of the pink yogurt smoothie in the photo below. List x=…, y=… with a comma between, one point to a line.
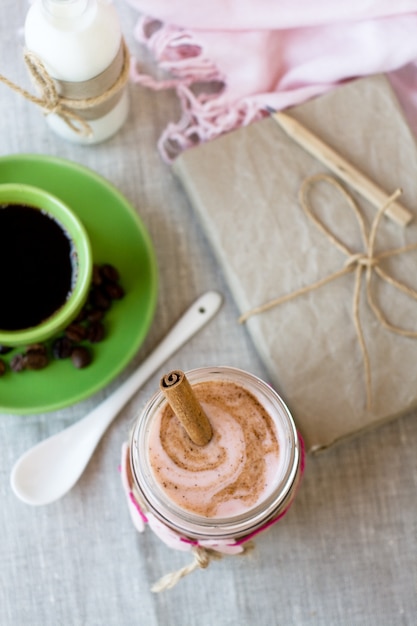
x=237, y=470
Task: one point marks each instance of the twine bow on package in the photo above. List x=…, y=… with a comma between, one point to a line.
x=325, y=281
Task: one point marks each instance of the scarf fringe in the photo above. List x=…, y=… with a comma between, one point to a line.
x=199, y=85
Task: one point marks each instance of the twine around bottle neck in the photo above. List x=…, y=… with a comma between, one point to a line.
x=69, y=109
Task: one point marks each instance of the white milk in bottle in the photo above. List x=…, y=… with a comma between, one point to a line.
x=80, y=45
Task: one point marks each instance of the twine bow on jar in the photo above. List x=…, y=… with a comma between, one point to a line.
x=367, y=263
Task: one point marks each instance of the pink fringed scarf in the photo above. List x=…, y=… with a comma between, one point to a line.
x=228, y=61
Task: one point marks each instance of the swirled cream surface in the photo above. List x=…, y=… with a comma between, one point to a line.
x=235, y=471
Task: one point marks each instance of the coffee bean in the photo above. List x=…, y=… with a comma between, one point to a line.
x=3, y=367
x=18, y=362
x=81, y=357
x=95, y=315
x=36, y=357
x=99, y=300
x=109, y=272
x=75, y=332
x=62, y=348
x=95, y=332
x=36, y=348
x=36, y=361
x=114, y=291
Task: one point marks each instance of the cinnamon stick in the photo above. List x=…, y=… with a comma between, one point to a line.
x=181, y=398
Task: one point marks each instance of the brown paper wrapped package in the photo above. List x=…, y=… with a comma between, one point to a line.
x=245, y=185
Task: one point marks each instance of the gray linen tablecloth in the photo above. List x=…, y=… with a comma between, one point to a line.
x=346, y=552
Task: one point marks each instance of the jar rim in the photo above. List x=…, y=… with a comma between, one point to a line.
x=197, y=526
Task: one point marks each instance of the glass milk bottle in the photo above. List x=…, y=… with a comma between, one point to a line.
x=218, y=496
x=80, y=45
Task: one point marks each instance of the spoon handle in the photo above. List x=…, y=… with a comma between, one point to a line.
x=199, y=313
x=33, y=478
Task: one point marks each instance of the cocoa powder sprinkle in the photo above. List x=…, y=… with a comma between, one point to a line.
x=244, y=483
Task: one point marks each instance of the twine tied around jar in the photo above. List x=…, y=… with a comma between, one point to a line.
x=203, y=551
x=366, y=262
x=202, y=559
x=70, y=109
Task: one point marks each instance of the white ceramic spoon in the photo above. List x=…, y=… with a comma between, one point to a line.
x=50, y=469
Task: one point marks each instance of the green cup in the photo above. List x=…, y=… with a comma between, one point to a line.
x=21, y=202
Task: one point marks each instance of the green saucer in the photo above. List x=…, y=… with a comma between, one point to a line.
x=118, y=237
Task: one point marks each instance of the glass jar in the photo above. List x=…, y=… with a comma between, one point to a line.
x=180, y=527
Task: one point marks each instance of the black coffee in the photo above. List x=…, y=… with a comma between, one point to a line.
x=36, y=266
